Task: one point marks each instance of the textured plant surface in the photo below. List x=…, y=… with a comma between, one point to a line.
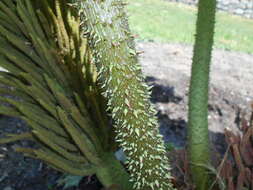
x=49, y=73
x=120, y=78
x=198, y=139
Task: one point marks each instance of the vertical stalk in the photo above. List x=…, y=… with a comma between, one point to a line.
x=198, y=139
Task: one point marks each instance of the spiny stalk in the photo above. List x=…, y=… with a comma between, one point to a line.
x=104, y=22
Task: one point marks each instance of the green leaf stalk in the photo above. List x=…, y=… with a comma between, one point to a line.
x=198, y=138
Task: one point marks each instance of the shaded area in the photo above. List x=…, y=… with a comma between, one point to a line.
x=162, y=93
x=174, y=131
x=18, y=171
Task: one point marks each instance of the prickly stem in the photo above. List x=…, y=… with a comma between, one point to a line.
x=105, y=24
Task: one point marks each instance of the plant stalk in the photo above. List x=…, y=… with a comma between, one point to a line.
x=198, y=138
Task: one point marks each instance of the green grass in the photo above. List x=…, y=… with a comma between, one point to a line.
x=163, y=21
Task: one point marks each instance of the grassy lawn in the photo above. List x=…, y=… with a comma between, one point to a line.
x=172, y=22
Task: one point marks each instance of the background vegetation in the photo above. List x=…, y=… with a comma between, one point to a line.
x=173, y=22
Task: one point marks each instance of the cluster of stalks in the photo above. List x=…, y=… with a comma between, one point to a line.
x=238, y=171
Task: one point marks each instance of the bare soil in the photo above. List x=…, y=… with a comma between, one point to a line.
x=167, y=67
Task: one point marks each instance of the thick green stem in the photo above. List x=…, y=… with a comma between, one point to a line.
x=105, y=24
x=198, y=139
x=112, y=172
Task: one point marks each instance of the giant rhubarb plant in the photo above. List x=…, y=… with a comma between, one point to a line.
x=198, y=143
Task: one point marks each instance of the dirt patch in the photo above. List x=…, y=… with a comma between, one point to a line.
x=167, y=67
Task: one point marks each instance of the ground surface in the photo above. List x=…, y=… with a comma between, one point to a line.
x=167, y=66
